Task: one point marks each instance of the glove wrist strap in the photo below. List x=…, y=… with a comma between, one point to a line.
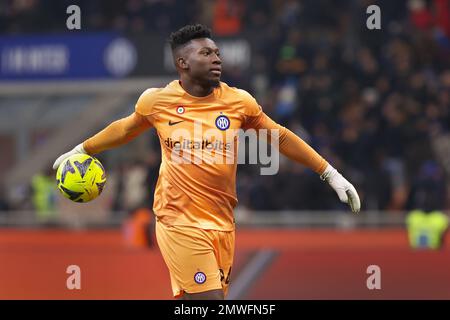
x=329, y=170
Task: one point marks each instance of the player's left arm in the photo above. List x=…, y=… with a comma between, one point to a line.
x=299, y=151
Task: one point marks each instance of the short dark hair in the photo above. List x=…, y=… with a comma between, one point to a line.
x=188, y=33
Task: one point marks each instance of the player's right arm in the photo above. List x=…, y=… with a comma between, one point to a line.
x=118, y=132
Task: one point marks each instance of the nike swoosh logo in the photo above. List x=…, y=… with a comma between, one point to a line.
x=174, y=123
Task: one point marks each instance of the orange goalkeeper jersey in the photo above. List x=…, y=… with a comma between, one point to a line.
x=195, y=187
x=198, y=137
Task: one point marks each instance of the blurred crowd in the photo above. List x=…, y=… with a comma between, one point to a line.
x=372, y=102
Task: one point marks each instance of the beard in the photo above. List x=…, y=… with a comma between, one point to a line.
x=214, y=83
x=206, y=81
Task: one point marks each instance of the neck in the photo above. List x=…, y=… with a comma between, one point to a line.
x=194, y=88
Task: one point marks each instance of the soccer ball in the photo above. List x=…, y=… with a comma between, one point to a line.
x=81, y=178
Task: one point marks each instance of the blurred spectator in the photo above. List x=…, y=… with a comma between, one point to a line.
x=426, y=230
x=227, y=17
x=138, y=228
x=131, y=186
x=44, y=195
x=429, y=188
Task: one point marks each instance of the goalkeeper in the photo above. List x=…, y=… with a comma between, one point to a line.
x=194, y=201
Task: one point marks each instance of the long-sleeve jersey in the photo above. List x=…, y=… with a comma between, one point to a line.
x=199, y=142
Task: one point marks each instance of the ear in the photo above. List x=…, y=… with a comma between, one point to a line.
x=181, y=62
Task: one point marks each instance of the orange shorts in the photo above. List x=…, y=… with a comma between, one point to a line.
x=198, y=260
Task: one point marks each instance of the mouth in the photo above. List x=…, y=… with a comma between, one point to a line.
x=216, y=71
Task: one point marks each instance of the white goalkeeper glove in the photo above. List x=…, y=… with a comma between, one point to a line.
x=345, y=190
x=77, y=150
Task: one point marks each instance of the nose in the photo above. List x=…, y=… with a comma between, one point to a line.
x=217, y=59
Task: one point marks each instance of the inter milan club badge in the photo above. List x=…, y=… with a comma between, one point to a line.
x=200, y=277
x=180, y=110
x=222, y=122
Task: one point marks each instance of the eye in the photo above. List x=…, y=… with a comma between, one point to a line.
x=206, y=53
